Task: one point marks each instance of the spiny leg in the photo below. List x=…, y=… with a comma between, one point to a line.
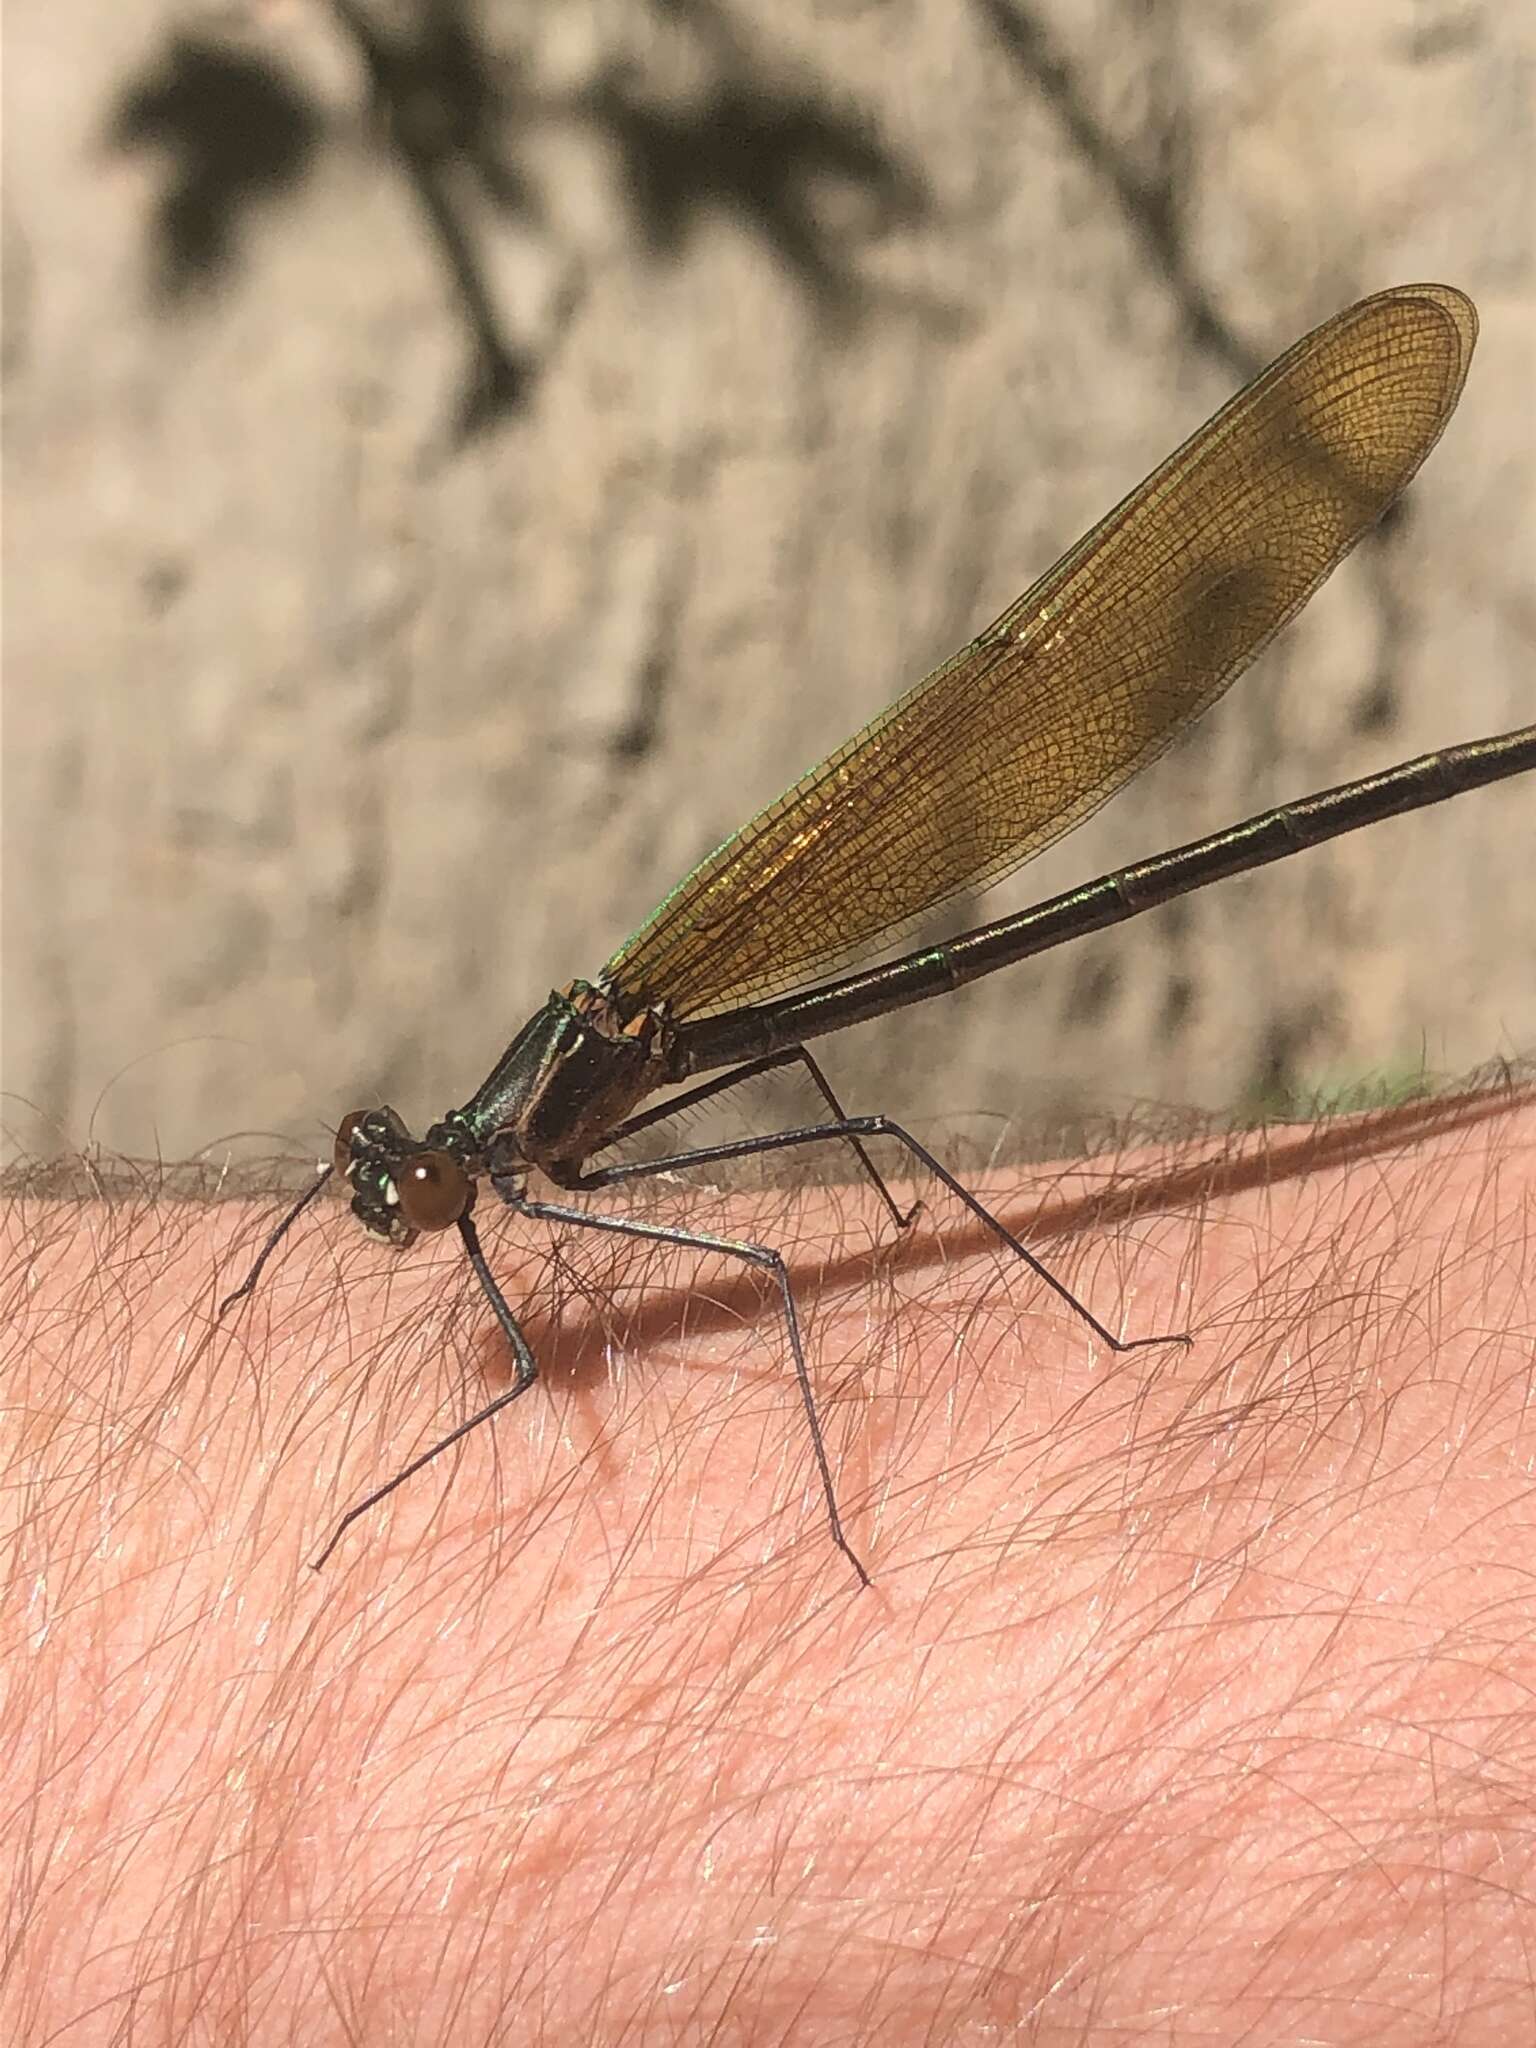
x=875, y=1127
x=789, y=1056
x=768, y=1260
x=527, y=1372
x=274, y=1239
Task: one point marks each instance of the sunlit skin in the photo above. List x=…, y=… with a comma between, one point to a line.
x=1192, y=1701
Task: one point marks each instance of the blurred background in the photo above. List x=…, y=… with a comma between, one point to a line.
x=462, y=459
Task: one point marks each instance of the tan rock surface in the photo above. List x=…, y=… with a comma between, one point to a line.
x=334, y=738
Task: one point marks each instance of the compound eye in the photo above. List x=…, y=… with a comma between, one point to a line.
x=434, y=1190
x=341, y=1157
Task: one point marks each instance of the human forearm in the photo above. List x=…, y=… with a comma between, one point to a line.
x=1192, y=1693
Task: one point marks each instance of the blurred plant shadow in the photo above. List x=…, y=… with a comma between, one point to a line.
x=758, y=148
x=237, y=132
x=1149, y=202
x=238, y=129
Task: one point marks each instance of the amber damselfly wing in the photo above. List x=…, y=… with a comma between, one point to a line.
x=1075, y=688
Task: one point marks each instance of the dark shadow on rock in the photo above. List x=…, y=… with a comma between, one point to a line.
x=1149, y=203
x=236, y=131
x=442, y=110
x=761, y=149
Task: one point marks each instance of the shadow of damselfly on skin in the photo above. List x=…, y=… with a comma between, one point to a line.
x=1079, y=684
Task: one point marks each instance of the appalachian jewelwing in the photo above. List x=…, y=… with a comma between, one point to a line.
x=1080, y=683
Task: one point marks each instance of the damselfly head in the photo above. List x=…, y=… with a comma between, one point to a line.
x=402, y=1185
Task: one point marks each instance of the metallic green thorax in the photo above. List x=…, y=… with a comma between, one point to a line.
x=568, y=1080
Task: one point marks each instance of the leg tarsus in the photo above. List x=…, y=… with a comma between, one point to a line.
x=766, y=1259
x=526, y=1372
x=274, y=1238
x=881, y=1127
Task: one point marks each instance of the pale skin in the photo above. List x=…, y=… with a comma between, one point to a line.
x=1193, y=1699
